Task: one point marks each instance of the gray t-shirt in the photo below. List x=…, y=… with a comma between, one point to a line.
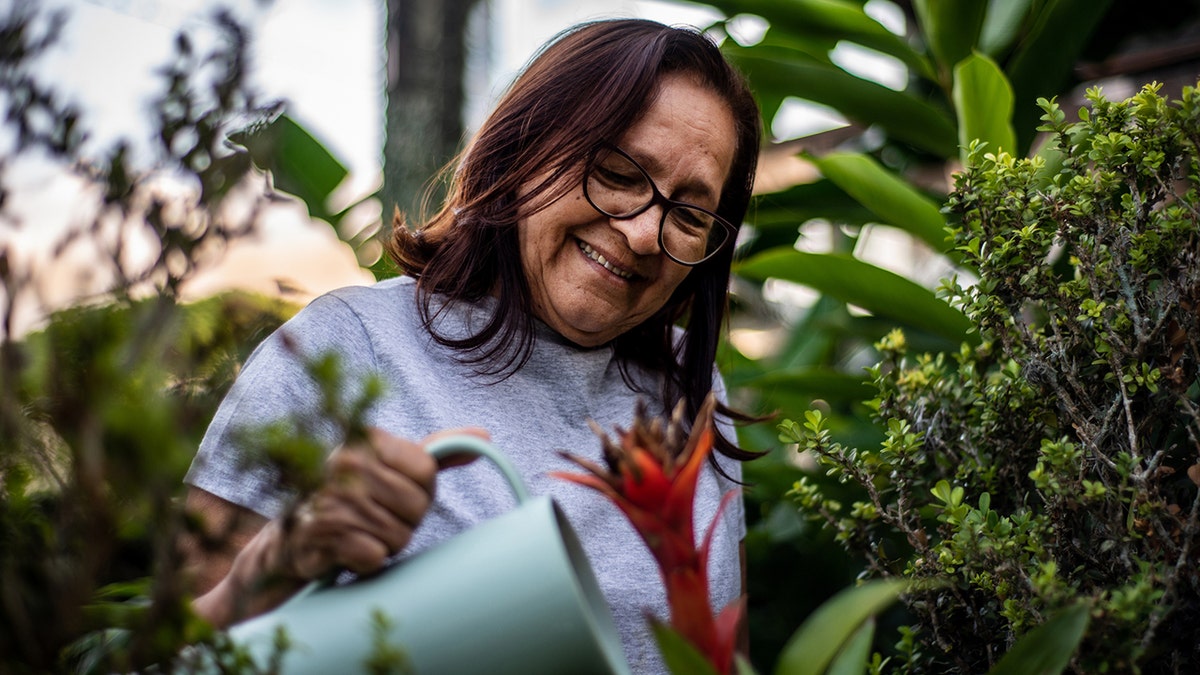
x=540, y=409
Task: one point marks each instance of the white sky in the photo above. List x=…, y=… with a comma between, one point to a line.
x=324, y=57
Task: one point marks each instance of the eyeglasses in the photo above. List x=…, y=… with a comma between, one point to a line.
x=620, y=188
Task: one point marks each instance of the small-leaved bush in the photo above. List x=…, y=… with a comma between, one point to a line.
x=1057, y=462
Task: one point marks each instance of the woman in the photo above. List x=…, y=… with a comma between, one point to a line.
x=594, y=210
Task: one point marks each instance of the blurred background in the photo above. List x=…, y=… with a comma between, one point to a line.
x=355, y=105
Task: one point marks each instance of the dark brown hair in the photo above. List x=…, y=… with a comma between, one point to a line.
x=584, y=89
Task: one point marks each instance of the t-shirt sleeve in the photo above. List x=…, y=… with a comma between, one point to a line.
x=275, y=388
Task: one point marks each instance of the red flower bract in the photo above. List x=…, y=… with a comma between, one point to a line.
x=651, y=476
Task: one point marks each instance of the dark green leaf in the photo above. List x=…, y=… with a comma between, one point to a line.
x=1042, y=64
x=852, y=659
x=1047, y=649
x=951, y=28
x=679, y=655
x=815, y=644
x=1001, y=25
x=903, y=116
x=824, y=383
x=299, y=164
x=829, y=20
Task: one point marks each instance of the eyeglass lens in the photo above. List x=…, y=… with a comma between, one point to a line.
x=620, y=188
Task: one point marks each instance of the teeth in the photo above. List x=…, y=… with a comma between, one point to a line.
x=591, y=253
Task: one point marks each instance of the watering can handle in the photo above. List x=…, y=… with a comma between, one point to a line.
x=444, y=447
x=473, y=445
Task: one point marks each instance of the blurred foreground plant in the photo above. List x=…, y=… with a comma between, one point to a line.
x=102, y=407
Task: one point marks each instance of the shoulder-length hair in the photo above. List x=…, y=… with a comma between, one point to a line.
x=583, y=89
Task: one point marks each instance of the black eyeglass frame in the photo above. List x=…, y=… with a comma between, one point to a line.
x=657, y=198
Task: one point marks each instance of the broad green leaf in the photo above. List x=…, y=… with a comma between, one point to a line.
x=299, y=164
x=1047, y=649
x=1042, y=64
x=951, y=28
x=679, y=655
x=798, y=204
x=1001, y=25
x=829, y=20
x=903, y=116
x=852, y=659
x=893, y=200
x=983, y=100
x=814, y=645
x=879, y=291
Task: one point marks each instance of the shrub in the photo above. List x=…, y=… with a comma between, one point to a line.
x=1059, y=460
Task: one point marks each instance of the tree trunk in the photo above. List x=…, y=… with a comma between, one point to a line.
x=426, y=43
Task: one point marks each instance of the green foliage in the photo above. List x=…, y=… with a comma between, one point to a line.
x=835, y=627
x=1058, y=459
x=102, y=407
x=972, y=71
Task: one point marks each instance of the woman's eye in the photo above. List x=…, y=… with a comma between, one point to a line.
x=617, y=178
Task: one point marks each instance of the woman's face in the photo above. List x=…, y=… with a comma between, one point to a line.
x=593, y=277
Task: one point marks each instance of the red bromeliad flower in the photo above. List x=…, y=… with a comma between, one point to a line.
x=651, y=477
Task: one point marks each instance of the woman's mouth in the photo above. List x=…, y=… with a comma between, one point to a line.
x=604, y=262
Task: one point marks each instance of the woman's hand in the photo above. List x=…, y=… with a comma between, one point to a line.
x=374, y=496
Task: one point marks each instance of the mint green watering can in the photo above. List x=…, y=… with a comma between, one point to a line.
x=512, y=595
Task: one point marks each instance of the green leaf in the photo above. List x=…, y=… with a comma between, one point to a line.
x=1042, y=64
x=817, y=642
x=679, y=655
x=852, y=659
x=824, y=383
x=1047, y=649
x=775, y=72
x=1001, y=25
x=299, y=164
x=951, y=27
x=983, y=100
x=879, y=291
x=893, y=200
x=829, y=20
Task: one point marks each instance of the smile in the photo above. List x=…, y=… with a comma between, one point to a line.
x=591, y=253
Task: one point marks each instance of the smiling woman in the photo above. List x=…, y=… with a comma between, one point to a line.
x=529, y=306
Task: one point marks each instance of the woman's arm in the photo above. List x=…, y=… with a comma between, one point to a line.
x=374, y=496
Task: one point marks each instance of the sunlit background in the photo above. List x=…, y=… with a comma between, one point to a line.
x=326, y=60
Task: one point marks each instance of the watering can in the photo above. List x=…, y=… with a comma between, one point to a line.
x=514, y=594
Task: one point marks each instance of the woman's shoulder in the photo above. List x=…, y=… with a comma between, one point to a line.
x=386, y=292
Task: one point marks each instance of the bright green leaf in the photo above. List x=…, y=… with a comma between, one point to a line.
x=883, y=293
x=893, y=200
x=983, y=100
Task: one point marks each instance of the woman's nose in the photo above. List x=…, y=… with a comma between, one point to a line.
x=641, y=231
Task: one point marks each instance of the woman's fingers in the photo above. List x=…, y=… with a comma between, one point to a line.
x=374, y=497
